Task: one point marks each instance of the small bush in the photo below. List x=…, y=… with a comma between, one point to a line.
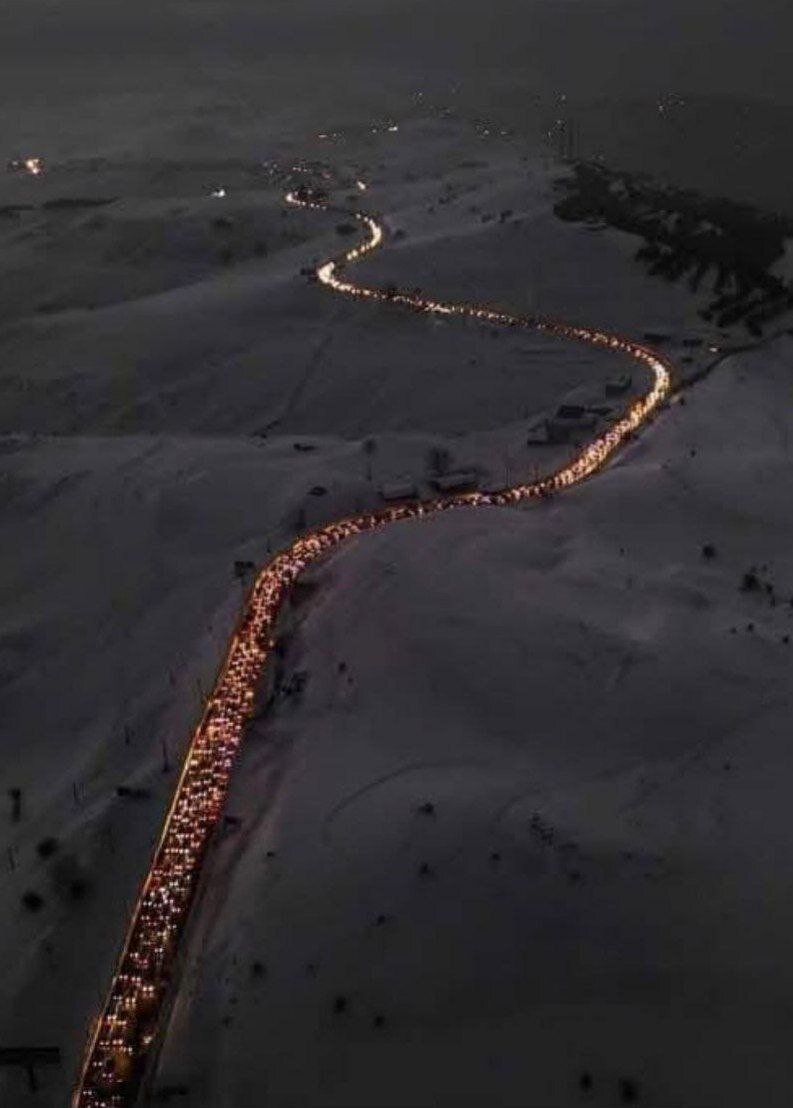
x=32, y=900
x=132, y=792
x=629, y=1091
x=47, y=847
x=169, y=1092
x=78, y=888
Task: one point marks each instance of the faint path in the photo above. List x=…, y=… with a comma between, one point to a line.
x=296, y=395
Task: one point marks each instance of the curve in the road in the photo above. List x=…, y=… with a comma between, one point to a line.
x=123, y=1033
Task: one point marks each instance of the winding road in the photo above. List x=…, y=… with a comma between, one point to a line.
x=132, y=1016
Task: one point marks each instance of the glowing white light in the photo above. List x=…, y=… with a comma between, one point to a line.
x=34, y=166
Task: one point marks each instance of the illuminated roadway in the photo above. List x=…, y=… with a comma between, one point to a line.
x=132, y=1015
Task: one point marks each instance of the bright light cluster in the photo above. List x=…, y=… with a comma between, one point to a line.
x=130, y=1020
x=33, y=166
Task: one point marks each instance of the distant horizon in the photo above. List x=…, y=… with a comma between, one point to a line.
x=104, y=78
x=620, y=48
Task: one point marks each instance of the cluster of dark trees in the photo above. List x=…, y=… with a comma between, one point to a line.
x=686, y=234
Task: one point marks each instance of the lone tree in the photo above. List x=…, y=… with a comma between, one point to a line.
x=369, y=447
x=439, y=460
x=15, y=795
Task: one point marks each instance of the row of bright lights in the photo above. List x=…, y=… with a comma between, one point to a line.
x=131, y=1016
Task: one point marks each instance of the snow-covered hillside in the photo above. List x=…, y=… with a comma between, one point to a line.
x=536, y=706
x=517, y=822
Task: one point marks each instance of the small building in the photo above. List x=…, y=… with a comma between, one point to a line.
x=558, y=430
x=575, y=416
x=538, y=434
x=571, y=412
x=569, y=418
x=398, y=490
x=456, y=482
x=618, y=386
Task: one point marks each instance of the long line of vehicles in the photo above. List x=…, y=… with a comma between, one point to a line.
x=131, y=1017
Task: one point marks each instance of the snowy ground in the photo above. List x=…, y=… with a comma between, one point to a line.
x=561, y=684
x=599, y=716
